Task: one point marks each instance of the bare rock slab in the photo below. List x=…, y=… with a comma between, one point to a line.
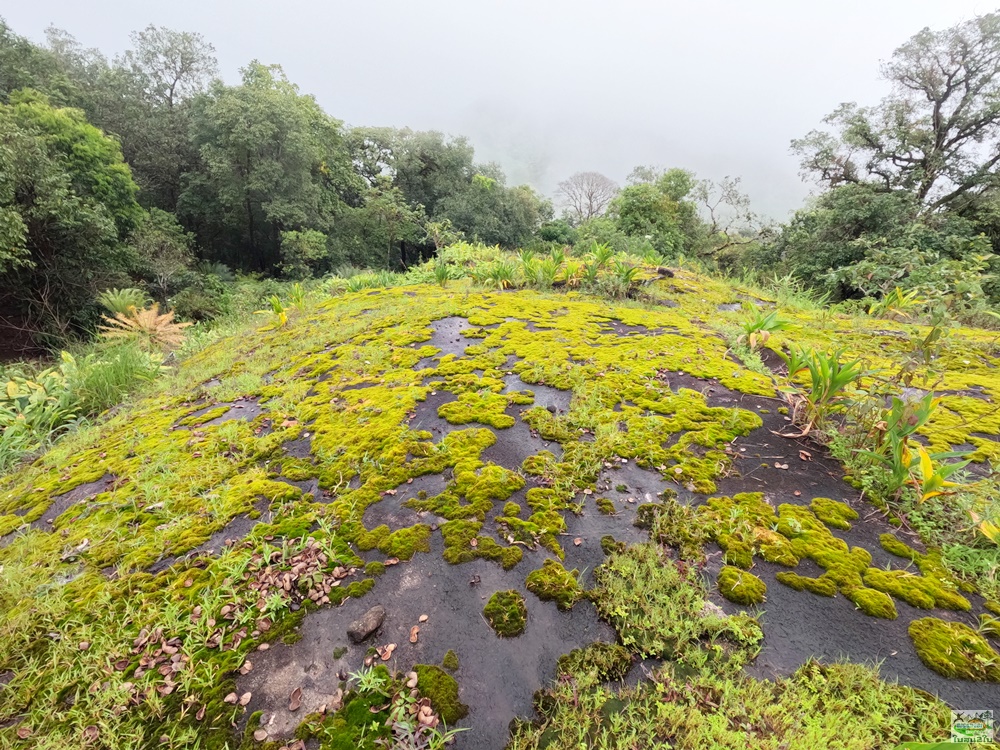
x=367, y=624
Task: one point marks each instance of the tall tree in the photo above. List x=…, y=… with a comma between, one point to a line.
x=273, y=162
x=586, y=195
x=936, y=135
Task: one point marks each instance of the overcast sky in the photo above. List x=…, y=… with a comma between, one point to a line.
x=552, y=87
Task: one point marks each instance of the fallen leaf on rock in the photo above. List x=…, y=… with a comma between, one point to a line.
x=780, y=465
x=260, y=735
x=264, y=647
x=805, y=455
x=289, y=423
x=797, y=493
x=578, y=541
x=411, y=679
x=295, y=700
x=231, y=698
x=385, y=652
x=245, y=698
x=247, y=667
x=414, y=633
x=473, y=542
x=392, y=561
x=423, y=618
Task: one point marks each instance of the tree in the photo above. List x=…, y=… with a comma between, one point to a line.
x=586, y=195
x=163, y=252
x=273, y=161
x=729, y=219
x=302, y=252
x=936, y=135
x=172, y=66
x=67, y=200
x=394, y=220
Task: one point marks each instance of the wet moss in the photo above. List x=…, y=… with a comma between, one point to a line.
x=605, y=506
x=442, y=690
x=823, y=586
x=552, y=582
x=954, y=650
x=506, y=613
x=872, y=602
x=609, y=544
x=834, y=514
x=374, y=568
x=450, y=661
x=741, y=587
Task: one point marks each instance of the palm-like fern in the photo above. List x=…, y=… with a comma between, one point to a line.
x=122, y=300
x=148, y=326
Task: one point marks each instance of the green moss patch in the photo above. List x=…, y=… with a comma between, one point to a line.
x=442, y=691
x=552, y=582
x=450, y=661
x=955, y=650
x=506, y=613
x=836, y=515
x=741, y=587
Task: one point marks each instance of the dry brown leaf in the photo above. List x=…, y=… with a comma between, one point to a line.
x=414, y=633
x=423, y=618
x=578, y=541
x=231, y=698
x=295, y=700
x=260, y=735
x=244, y=699
x=24, y=732
x=474, y=542
x=91, y=733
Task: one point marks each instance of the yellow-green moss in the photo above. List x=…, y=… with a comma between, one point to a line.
x=872, y=602
x=823, y=586
x=741, y=587
x=506, y=613
x=552, y=582
x=954, y=650
x=834, y=514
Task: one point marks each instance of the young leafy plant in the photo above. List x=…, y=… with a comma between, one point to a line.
x=757, y=330
x=825, y=391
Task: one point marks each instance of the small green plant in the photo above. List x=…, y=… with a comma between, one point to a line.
x=602, y=254
x=757, y=330
x=123, y=300
x=441, y=274
x=297, y=296
x=544, y=272
x=897, y=304
x=278, y=310
x=829, y=378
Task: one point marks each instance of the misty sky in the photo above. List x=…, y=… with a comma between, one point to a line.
x=551, y=87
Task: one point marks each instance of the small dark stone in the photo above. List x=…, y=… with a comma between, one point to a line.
x=665, y=272
x=294, y=606
x=367, y=624
x=552, y=409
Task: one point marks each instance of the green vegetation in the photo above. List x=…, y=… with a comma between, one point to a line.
x=953, y=649
x=229, y=291
x=506, y=613
x=740, y=586
x=552, y=582
x=450, y=661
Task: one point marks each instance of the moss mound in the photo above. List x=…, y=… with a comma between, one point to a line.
x=506, y=613
x=450, y=661
x=741, y=587
x=954, y=650
x=442, y=690
x=552, y=582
